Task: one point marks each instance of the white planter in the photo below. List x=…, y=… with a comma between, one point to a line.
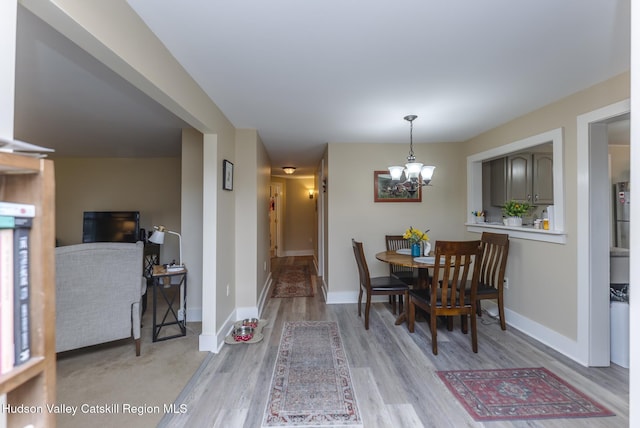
x=513, y=221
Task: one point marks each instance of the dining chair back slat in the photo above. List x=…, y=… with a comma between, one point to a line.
x=495, y=251
x=456, y=264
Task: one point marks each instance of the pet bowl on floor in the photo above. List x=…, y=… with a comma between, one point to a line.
x=242, y=333
x=250, y=322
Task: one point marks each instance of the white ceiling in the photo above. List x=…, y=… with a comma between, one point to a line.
x=305, y=73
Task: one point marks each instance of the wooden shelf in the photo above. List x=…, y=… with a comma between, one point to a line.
x=26, y=179
x=21, y=374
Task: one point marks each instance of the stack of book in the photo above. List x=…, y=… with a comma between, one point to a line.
x=15, y=225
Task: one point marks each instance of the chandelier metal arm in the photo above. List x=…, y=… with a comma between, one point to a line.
x=416, y=174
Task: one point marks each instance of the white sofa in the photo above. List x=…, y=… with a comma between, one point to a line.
x=98, y=292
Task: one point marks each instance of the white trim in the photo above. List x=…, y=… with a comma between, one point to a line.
x=589, y=310
x=351, y=297
x=208, y=343
x=544, y=335
x=552, y=236
x=474, y=178
x=262, y=301
x=325, y=289
x=341, y=297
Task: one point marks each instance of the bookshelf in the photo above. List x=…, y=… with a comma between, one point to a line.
x=30, y=180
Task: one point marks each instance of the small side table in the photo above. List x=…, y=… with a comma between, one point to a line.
x=163, y=282
x=150, y=259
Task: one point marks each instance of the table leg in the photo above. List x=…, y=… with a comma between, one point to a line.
x=423, y=278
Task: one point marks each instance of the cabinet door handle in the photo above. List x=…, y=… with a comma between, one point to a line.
x=528, y=197
x=535, y=198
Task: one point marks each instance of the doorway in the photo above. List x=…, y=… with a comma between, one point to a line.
x=593, y=239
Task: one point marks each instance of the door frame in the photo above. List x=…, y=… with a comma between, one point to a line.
x=593, y=303
x=276, y=194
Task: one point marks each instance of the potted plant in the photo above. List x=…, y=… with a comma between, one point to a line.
x=415, y=237
x=513, y=211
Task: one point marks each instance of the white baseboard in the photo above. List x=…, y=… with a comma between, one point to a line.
x=238, y=314
x=265, y=293
x=545, y=335
x=208, y=343
x=350, y=297
x=542, y=334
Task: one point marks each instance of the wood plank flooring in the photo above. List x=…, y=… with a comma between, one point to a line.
x=394, y=371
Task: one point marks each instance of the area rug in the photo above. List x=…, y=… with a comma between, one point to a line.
x=513, y=394
x=311, y=384
x=293, y=281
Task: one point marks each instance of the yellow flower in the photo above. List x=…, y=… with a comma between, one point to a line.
x=415, y=236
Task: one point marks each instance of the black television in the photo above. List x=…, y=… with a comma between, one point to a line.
x=110, y=226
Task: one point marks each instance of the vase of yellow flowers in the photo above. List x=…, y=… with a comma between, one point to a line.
x=415, y=238
x=513, y=211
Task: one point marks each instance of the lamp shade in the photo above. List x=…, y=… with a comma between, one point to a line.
x=396, y=172
x=157, y=237
x=427, y=172
x=413, y=170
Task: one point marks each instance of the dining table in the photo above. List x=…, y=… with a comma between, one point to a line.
x=402, y=257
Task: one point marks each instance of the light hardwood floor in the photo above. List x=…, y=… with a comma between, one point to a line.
x=393, y=371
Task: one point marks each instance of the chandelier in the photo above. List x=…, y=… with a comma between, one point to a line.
x=416, y=174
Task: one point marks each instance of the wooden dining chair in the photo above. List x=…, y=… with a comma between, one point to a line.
x=454, y=261
x=382, y=285
x=495, y=249
x=406, y=274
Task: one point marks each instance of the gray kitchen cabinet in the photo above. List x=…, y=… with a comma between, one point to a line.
x=542, y=179
x=525, y=177
x=519, y=177
x=498, y=187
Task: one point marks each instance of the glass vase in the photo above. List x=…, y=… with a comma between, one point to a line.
x=415, y=250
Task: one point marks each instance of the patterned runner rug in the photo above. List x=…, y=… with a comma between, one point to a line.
x=512, y=394
x=311, y=384
x=293, y=281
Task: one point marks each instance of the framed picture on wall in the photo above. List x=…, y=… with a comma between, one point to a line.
x=387, y=190
x=227, y=175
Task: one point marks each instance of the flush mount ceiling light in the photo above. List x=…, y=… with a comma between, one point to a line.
x=416, y=174
x=289, y=169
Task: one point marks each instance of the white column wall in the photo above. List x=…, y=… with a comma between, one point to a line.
x=8, y=22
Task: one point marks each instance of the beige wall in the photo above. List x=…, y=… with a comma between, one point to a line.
x=299, y=222
x=252, y=223
x=543, y=276
x=151, y=186
x=191, y=224
x=620, y=164
x=352, y=213
x=134, y=53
